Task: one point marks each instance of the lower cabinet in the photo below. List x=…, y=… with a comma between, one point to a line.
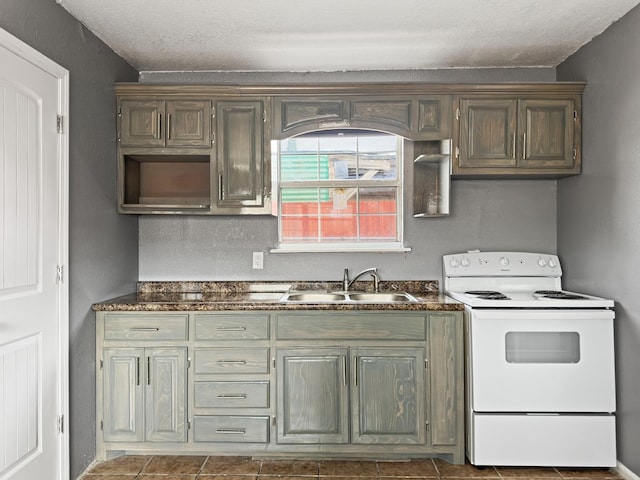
x=313, y=397
x=357, y=384
x=145, y=395
x=358, y=395
x=388, y=395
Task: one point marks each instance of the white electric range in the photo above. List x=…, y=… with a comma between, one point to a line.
x=540, y=378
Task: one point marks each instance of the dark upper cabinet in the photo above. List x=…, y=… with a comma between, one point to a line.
x=160, y=123
x=417, y=117
x=509, y=136
x=242, y=173
x=191, y=153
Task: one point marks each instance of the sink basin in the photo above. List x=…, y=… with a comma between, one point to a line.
x=314, y=297
x=347, y=297
x=382, y=297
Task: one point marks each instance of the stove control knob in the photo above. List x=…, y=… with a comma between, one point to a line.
x=465, y=262
x=542, y=262
x=552, y=263
x=504, y=261
x=454, y=263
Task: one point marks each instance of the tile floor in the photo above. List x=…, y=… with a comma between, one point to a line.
x=138, y=467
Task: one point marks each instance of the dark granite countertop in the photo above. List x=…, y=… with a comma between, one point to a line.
x=248, y=296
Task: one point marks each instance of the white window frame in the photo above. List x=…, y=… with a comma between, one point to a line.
x=332, y=246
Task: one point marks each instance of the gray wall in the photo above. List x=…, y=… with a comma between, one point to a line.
x=509, y=215
x=103, y=245
x=599, y=212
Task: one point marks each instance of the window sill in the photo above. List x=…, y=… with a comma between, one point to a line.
x=340, y=249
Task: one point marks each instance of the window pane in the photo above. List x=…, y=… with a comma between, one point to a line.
x=378, y=213
x=299, y=144
x=338, y=144
x=378, y=143
x=378, y=200
x=303, y=167
x=300, y=200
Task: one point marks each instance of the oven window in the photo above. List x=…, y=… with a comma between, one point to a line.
x=543, y=347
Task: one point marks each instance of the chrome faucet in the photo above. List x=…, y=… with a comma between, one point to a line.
x=346, y=283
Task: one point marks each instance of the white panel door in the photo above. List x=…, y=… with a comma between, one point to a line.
x=32, y=245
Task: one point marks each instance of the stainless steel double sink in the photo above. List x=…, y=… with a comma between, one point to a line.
x=347, y=297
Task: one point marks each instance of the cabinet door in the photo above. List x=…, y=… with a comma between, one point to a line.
x=166, y=394
x=312, y=394
x=123, y=413
x=487, y=134
x=141, y=123
x=547, y=129
x=240, y=150
x=298, y=115
x=189, y=123
x=434, y=117
x=388, y=395
x=446, y=373
x=394, y=115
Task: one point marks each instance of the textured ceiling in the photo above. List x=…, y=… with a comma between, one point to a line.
x=335, y=35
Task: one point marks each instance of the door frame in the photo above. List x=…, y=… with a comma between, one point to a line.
x=29, y=54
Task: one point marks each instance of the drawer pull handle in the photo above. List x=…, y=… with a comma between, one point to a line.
x=144, y=329
x=231, y=329
x=237, y=362
x=231, y=431
x=234, y=395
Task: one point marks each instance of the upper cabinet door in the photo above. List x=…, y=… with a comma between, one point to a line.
x=141, y=123
x=393, y=115
x=547, y=133
x=159, y=123
x=241, y=164
x=434, y=117
x=188, y=123
x=293, y=116
x=487, y=133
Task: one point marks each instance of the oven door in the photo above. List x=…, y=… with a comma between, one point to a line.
x=527, y=360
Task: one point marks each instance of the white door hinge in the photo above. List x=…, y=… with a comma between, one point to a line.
x=59, y=123
x=426, y=364
x=575, y=115
x=60, y=424
x=457, y=114
x=457, y=152
x=188, y=363
x=59, y=274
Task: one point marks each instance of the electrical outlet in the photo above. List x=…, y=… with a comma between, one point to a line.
x=258, y=260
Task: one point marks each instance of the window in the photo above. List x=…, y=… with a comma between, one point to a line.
x=339, y=190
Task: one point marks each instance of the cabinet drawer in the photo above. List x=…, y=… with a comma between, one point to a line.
x=146, y=327
x=231, y=394
x=231, y=360
x=231, y=327
x=346, y=326
x=231, y=429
